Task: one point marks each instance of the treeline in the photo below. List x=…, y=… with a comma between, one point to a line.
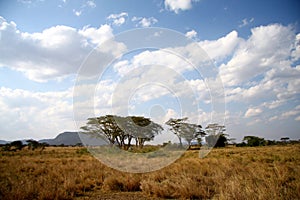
x=125, y=132
x=254, y=141
x=18, y=145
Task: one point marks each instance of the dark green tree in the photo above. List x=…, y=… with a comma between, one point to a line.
x=284, y=139
x=32, y=145
x=215, y=135
x=254, y=141
x=215, y=129
x=219, y=140
x=17, y=145
x=13, y=146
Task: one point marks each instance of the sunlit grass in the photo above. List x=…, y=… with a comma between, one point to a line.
x=226, y=173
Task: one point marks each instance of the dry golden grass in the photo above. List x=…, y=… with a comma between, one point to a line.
x=226, y=173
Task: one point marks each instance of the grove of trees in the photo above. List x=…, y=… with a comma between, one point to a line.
x=128, y=131
x=186, y=131
x=121, y=131
x=216, y=135
x=18, y=145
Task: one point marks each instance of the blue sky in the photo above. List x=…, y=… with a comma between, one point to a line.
x=254, y=45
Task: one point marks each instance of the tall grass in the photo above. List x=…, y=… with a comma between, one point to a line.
x=226, y=173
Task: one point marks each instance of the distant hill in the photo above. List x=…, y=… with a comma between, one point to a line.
x=4, y=142
x=68, y=139
x=73, y=138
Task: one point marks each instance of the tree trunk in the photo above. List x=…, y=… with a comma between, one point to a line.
x=180, y=142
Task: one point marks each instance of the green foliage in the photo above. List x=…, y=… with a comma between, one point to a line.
x=215, y=129
x=82, y=151
x=254, y=141
x=32, y=144
x=13, y=146
x=121, y=131
x=284, y=139
x=187, y=131
x=140, y=128
x=219, y=140
x=216, y=136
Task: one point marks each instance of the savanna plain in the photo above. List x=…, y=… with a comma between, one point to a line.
x=267, y=172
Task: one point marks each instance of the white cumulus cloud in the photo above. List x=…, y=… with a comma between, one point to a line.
x=252, y=112
x=222, y=47
x=118, y=19
x=55, y=52
x=144, y=22
x=177, y=5
x=191, y=34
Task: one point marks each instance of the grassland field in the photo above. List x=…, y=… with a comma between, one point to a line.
x=270, y=172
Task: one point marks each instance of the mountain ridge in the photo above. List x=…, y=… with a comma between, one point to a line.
x=67, y=138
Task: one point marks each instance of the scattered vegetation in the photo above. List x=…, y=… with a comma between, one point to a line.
x=18, y=145
x=254, y=141
x=121, y=131
x=266, y=172
x=261, y=170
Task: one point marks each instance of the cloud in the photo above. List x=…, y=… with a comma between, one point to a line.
x=253, y=112
x=143, y=77
x=118, y=19
x=291, y=113
x=191, y=34
x=49, y=54
x=34, y=114
x=96, y=35
x=177, y=5
x=30, y=3
x=260, y=76
x=77, y=12
x=267, y=48
x=245, y=22
x=222, y=47
x=144, y=22
x=164, y=57
x=91, y=4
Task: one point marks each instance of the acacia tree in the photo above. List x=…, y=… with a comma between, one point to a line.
x=18, y=145
x=191, y=132
x=121, y=130
x=215, y=129
x=141, y=129
x=32, y=145
x=216, y=135
x=175, y=126
x=105, y=127
x=185, y=130
x=13, y=146
x=284, y=139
